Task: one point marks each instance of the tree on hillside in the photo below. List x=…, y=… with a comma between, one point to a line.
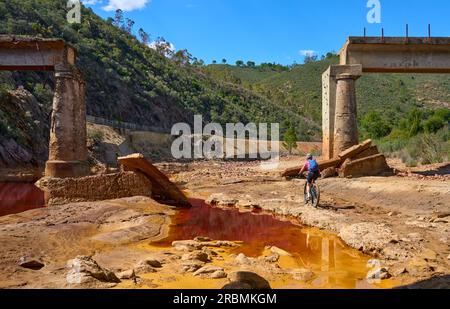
x=224, y=61
x=375, y=126
x=182, y=57
x=290, y=139
x=163, y=47
x=129, y=25
x=214, y=61
x=118, y=18
x=251, y=64
x=145, y=37
x=240, y=63
x=310, y=58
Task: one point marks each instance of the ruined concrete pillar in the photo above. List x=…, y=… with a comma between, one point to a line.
x=345, y=121
x=68, y=150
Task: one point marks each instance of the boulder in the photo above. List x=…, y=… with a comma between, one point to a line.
x=127, y=274
x=191, y=266
x=248, y=279
x=378, y=273
x=207, y=270
x=196, y=255
x=242, y=259
x=84, y=269
x=219, y=274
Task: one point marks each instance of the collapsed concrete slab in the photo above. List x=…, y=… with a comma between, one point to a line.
x=323, y=165
x=60, y=191
x=163, y=190
x=375, y=165
x=351, y=152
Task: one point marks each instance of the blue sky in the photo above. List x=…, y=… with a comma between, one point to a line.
x=273, y=30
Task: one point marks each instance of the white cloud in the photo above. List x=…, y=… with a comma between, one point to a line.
x=91, y=2
x=307, y=53
x=125, y=5
x=154, y=45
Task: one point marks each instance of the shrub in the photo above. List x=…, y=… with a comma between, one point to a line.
x=96, y=135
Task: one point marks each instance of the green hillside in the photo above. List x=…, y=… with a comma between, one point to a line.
x=127, y=80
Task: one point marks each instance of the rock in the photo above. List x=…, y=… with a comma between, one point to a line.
x=302, y=274
x=248, y=279
x=191, y=266
x=143, y=267
x=429, y=255
x=220, y=274
x=279, y=251
x=202, y=239
x=367, y=236
x=127, y=274
x=210, y=253
x=30, y=263
x=273, y=258
x=248, y=205
x=379, y=273
x=196, y=255
x=83, y=269
x=187, y=245
x=448, y=257
x=393, y=213
x=418, y=267
x=242, y=259
x=152, y=263
x=237, y=286
x=221, y=200
x=207, y=270
x=398, y=270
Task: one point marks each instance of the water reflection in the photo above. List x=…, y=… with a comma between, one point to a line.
x=336, y=264
x=19, y=197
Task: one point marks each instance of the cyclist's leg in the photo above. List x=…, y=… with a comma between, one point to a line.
x=309, y=180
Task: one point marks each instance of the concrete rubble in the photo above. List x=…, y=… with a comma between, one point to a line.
x=357, y=161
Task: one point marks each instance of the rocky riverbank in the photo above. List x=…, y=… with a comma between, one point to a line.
x=402, y=222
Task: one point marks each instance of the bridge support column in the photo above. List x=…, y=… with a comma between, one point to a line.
x=68, y=149
x=345, y=121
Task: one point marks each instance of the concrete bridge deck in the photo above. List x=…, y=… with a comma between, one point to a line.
x=398, y=54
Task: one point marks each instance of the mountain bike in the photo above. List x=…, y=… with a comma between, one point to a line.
x=314, y=193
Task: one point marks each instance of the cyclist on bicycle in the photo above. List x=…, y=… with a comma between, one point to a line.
x=312, y=167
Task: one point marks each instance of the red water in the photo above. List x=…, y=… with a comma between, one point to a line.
x=256, y=230
x=19, y=197
x=338, y=265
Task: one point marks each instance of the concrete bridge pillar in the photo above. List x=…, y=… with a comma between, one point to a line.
x=345, y=76
x=68, y=149
x=345, y=121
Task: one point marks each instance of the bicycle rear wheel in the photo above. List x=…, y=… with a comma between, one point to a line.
x=315, y=195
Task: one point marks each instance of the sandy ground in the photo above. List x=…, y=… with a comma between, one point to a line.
x=402, y=222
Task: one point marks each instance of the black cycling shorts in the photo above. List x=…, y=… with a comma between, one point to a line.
x=312, y=176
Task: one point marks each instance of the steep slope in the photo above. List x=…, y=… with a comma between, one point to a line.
x=128, y=81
